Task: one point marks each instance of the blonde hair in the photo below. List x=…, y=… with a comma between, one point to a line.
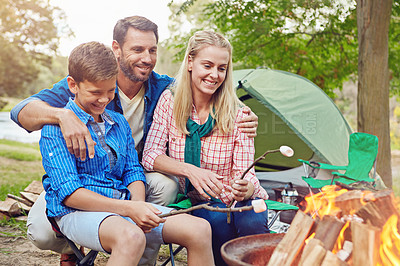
x=224, y=102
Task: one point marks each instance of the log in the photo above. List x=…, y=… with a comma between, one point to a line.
x=288, y=249
x=10, y=207
x=328, y=230
x=35, y=187
x=350, y=202
x=313, y=253
x=378, y=210
x=32, y=197
x=332, y=260
x=346, y=251
x=366, y=240
x=24, y=201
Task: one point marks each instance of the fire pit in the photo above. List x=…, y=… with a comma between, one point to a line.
x=250, y=250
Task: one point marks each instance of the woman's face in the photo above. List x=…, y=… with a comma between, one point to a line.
x=208, y=70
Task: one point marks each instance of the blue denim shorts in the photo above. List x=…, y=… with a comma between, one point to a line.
x=82, y=227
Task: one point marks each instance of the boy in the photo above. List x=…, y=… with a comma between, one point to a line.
x=99, y=202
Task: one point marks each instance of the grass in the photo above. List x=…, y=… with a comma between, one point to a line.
x=20, y=164
x=9, y=103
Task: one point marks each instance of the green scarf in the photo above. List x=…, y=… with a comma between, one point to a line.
x=193, y=143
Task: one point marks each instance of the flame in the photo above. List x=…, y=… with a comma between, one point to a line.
x=389, y=249
x=323, y=203
x=309, y=238
x=340, y=239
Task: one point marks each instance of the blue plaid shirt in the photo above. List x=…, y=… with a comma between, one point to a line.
x=102, y=174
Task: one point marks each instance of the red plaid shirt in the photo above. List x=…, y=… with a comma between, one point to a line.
x=227, y=155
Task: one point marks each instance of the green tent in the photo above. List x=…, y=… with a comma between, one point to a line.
x=295, y=112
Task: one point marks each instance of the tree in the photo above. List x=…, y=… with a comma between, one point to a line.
x=318, y=39
x=373, y=20
x=29, y=37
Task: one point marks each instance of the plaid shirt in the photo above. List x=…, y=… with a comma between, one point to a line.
x=227, y=155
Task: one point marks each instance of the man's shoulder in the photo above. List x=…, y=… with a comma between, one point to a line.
x=159, y=82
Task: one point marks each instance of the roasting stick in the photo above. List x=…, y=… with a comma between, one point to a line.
x=256, y=205
x=285, y=150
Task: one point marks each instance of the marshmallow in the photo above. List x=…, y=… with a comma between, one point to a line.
x=286, y=151
x=259, y=205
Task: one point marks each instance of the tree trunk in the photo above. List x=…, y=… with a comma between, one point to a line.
x=373, y=19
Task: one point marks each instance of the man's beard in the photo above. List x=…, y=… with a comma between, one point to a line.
x=128, y=72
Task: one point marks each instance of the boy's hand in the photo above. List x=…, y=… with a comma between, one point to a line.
x=76, y=135
x=248, y=124
x=144, y=215
x=242, y=189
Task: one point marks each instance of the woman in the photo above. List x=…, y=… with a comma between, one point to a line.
x=197, y=121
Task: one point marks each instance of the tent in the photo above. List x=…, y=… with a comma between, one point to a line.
x=295, y=112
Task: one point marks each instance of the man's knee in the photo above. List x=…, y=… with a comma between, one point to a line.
x=161, y=189
x=40, y=232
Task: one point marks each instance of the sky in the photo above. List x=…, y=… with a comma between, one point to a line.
x=94, y=20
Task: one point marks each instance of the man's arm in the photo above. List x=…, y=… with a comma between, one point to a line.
x=36, y=114
x=45, y=107
x=248, y=124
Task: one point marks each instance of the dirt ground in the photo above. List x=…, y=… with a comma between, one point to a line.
x=18, y=251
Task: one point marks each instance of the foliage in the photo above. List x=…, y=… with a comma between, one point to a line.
x=29, y=37
x=315, y=39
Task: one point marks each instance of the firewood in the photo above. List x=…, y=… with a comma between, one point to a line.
x=378, y=210
x=290, y=246
x=328, y=230
x=24, y=201
x=24, y=207
x=10, y=207
x=332, y=260
x=346, y=251
x=35, y=187
x=350, y=201
x=313, y=253
x=29, y=196
x=365, y=244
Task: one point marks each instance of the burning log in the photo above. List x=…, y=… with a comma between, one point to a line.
x=365, y=223
x=378, y=210
x=313, y=253
x=332, y=260
x=366, y=244
x=290, y=246
x=328, y=230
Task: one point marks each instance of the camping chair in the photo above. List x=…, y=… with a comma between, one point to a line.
x=276, y=206
x=362, y=153
x=82, y=259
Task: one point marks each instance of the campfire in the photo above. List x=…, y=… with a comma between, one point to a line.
x=343, y=227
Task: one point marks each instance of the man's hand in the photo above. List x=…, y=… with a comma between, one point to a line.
x=144, y=215
x=249, y=123
x=76, y=135
x=205, y=181
x=242, y=189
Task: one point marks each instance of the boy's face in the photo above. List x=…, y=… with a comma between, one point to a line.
x=93, y=97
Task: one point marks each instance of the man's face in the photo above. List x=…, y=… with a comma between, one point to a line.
x=138, y=55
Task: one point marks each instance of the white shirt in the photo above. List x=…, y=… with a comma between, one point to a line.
x=134, y=112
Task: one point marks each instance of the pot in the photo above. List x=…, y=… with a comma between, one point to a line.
x=250, y=250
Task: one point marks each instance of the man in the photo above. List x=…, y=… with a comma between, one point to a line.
x=134, y=44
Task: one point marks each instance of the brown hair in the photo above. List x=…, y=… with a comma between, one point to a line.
x=136, y=22
x=92, y=61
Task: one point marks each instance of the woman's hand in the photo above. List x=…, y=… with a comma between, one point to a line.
x=205, y=181
x=242, y=189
